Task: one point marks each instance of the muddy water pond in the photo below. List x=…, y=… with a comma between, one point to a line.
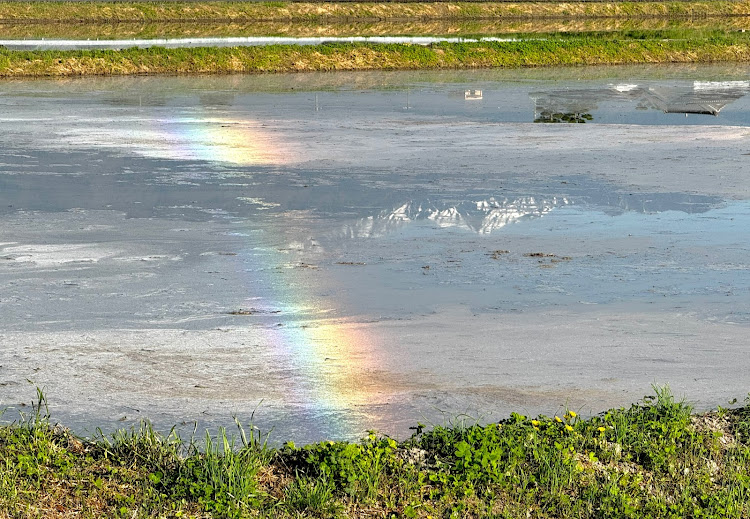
x=336, y=253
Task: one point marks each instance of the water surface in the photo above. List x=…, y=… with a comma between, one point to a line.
x=353, y=251
x=227, y=41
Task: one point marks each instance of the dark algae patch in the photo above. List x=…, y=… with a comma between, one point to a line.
x=654, y=459
x=368, y=56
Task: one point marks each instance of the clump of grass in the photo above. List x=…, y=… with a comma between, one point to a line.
x=653, y=459
x=312, y=496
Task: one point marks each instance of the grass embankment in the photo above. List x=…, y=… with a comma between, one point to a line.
x=535, y=53
x=111, y=12
x=653, y=459
x=624, y=28
x=683, y=31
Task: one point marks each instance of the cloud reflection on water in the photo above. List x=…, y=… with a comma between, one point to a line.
x=700, y=98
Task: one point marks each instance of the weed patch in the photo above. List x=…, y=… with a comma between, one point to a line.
x=653, y=459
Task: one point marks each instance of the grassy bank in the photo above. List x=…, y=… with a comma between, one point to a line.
x=654, y=459
x=535, y=53
x=364, y=11
x=594, y=33
x=652, y=27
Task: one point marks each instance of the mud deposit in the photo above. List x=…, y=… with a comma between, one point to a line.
x=339, y=253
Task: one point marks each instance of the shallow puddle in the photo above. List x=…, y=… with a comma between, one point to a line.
x=353, y=251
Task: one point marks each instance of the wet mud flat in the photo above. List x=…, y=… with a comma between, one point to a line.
x=396, y=248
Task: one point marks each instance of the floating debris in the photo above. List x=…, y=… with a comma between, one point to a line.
x=252, y=311
x=497, y=253
x=243, y=312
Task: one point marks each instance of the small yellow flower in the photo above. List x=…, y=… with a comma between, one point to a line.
x=568, y=428
x=558, y=419
x=572, y=414
x=534, y=422
x=602, y=429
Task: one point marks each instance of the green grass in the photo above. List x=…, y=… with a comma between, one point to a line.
x=584, y=33
x=363, y=11
x=604, y=28
x=655, y=459
x=280, y=58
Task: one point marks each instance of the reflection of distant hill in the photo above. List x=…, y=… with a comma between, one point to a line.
x=702, y=97
x=486, y=216
x=191, y=190
x=481, y=217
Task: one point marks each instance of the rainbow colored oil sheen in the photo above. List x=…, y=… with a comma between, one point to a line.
x=330, y=361
x=238, y=142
